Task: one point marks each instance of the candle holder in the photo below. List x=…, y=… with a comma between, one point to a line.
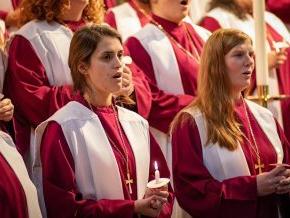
x=264, y=97
x=154, y=184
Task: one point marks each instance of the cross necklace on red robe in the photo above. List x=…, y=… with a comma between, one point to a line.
x=123, y=154
x=259, y=165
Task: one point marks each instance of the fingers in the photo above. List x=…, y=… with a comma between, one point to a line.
x=277, y=170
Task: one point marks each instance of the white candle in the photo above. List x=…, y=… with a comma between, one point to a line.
x=157, y=173
x=260, y=43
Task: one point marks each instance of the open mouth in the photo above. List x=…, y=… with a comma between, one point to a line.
x=247, y=73
x=117, y=75
x=184, y=2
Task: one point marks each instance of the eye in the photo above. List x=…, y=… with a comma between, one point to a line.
x=107, y=57
x=238, y=54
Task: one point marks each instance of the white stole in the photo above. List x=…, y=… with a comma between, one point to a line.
x=14, y=159
x=227, y=19
x=50, y=42
x=127, y=20
x=160, y=50
x=96, y=169
x=224, y=164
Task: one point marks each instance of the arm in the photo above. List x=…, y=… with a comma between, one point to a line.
x=157, y=155
x=196, y=190
x=61, y=194
x=27, y=85
x=164, y=106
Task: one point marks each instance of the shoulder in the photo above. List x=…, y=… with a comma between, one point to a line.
x=130, y=116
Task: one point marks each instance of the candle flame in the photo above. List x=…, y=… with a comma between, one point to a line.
x=155, y=165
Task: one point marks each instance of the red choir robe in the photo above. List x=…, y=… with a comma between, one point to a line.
x=188, y=66
x=204, y=197
x=42, y=100
x=110, y=3
x=280, y=8
x=61, y=194
x=12, y=196
x=111, y=20
x=283, y=72
x=4, y=13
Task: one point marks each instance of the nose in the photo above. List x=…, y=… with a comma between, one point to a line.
x=250, y=60
x=117, y=62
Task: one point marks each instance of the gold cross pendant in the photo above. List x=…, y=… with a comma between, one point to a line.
x=259, y=166
x=129, y=181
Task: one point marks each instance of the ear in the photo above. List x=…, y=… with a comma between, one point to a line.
x=82, y=68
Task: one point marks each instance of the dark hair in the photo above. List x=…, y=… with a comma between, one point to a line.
x=82, y=46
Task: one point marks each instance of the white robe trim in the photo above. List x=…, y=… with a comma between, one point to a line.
x=227, y=19
x=224, y=164
x=14, y=159
x=165, y=66
x=96, y=169
x=127, y=20
x=50, y=42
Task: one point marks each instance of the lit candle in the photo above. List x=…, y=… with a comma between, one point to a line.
x=157, y=173
x=260, y=43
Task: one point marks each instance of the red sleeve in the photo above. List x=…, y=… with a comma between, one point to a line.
x=210, y=24
x=110, y=19
x=62, y=198
x=3, y=14
x=27, y=85
x=196, y=190
x=157, y=155
x=164, y=106
x=285, y=143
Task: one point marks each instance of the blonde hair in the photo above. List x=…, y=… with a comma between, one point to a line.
x=214, y=89
x=52, y=10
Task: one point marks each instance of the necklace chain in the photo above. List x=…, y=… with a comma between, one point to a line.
x=195, y=56
x=254, y=147
x=124, y=156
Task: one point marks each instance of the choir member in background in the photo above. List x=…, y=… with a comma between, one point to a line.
x=18, y=195
x=129, y=17
x=171, y=64
x=281, y=9
x=6, y=106
x=38, y=78
x=224, y=145
x=9, y=12
x=238, y=14
x=93, y=157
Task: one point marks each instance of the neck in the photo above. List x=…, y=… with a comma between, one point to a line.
x=236, y=95
x=173, y=19
x=143, y=7
x=74, y=13
x=97, y=99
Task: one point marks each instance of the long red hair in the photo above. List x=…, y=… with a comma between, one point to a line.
x=214, y=89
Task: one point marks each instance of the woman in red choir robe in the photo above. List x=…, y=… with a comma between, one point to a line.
x=167, y=50
x=238, y=14
x=38, y=78
x=93, y=157
x=224, y=145
x=129, y=17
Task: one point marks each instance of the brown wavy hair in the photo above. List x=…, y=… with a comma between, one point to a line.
x=52, y=10
x=82, y=47
x=232, y=6
x=214, y=89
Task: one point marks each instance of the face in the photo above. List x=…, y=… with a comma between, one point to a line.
x=173, y=10
x=104, y=74
x=240, y=65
